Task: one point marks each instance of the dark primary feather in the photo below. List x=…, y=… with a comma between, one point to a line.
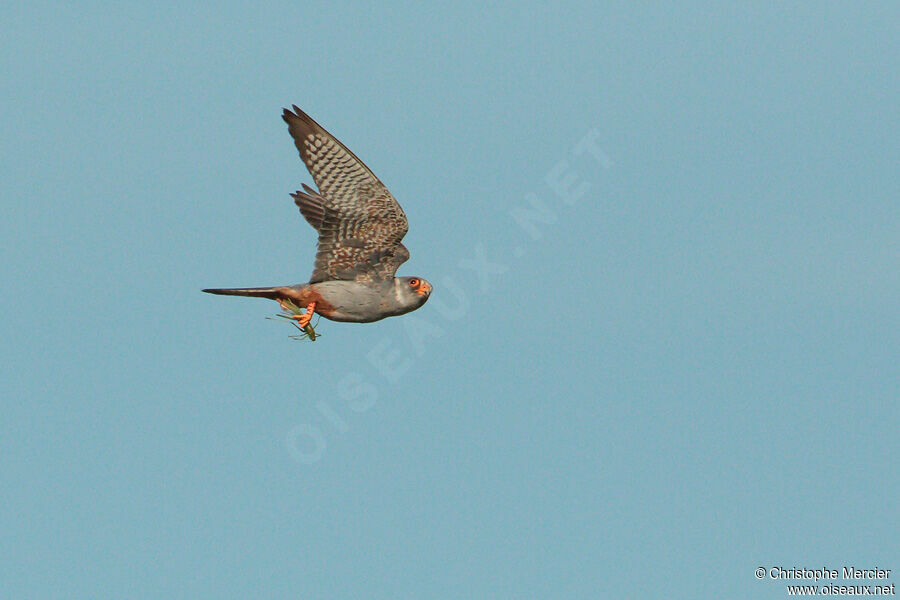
x=312, y=206
x=360, y=224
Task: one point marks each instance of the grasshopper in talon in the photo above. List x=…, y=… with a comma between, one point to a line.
x=291, y=312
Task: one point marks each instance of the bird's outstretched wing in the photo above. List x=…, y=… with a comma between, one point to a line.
x=360, y=224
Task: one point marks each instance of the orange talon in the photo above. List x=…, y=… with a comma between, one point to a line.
x=304, y=319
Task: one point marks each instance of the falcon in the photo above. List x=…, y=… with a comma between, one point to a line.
x=360, y=227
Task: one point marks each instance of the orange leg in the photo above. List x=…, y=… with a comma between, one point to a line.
x=303, y=320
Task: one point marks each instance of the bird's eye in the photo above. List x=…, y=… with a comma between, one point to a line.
x=414, y=282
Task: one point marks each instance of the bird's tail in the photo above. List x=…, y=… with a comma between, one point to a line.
x=262, y=292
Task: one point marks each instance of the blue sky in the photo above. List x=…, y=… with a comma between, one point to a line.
x=678, y=366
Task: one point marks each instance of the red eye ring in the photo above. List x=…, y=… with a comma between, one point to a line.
x=414, y=282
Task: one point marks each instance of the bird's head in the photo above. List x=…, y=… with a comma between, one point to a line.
x=413, y=290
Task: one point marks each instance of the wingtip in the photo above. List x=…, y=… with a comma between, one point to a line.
x=296, y=112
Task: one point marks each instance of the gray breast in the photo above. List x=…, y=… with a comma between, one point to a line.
x=358, y=302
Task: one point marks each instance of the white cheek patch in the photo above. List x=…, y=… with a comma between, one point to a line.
x=398, y=291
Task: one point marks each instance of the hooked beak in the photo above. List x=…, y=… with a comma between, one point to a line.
x=424, y=289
